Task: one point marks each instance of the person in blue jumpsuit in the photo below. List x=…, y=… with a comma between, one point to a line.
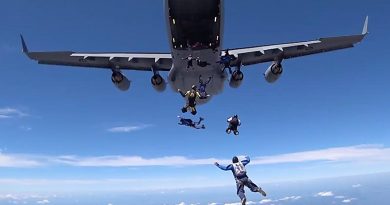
x=191, y=123
x=226, y=60
x=203, y=85
x=242, y=180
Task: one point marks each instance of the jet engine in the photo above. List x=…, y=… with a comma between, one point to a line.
x=120, y=81
x=158, y=82
x=273, y=72
x=236, y=79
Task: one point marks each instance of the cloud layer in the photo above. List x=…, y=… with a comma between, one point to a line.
x=360, y=153
x=18, y=161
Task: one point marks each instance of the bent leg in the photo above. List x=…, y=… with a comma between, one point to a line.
x=252, y=186
x=184, y=109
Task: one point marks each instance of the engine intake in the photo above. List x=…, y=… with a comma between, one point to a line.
x=120, y=81
x=158, y=83
x=236, y=79
x=273, y=72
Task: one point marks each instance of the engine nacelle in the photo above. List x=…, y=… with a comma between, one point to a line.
x=236, y=79
x=120, y=81
x=273, y=72
x=158, y=83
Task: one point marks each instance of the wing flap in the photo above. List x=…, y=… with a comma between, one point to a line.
x=125, y=61
x=267, y=53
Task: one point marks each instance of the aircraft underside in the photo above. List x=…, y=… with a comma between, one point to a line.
x=207, y=66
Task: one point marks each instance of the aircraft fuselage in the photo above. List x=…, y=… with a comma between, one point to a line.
x=195, y=27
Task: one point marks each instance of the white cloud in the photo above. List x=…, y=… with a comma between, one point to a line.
x=352, y=153
x=6, y=113
x=266, y=201
x=127, y=129
x=348, y=200
x=44, y=201
x=22, y=198
x=131, y=161
x=18, y=161
x=325, y=194
x=289, y=198
x=182, y=203
x=213, y=203
x=9, y=197
x=356, y=185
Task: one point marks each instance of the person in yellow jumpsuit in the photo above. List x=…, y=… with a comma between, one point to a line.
x=191, y=95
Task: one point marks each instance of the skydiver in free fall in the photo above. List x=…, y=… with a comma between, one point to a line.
x=202, y=86
x=191, y=95
x=191, y=123
x=234, y=122
x=242, y=180
x=226, y=61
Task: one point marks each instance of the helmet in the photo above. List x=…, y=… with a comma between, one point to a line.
x=193, y=87
x=235, y=159
x=236, y=116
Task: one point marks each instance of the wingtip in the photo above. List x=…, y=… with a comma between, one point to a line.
x=24, y=46
x=365, y=27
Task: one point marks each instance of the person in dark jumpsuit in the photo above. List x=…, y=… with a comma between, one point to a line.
x=190, y=123
x=242, y=180
x=189, y=59
x=234, y=122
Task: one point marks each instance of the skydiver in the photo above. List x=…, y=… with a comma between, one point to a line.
x=242, y=180
x=190, y=123
x=234, y=122
x=202, y=86
x=189, y=59
x=202, y=63
x=226, y=60
x=191, y=99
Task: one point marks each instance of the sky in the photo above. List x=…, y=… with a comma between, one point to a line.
x=69, y=130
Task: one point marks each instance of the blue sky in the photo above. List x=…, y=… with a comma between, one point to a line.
x=328, y=112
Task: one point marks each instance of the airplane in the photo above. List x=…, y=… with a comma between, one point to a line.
x=195, y=28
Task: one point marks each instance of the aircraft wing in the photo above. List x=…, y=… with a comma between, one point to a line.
x=124, y=61
x=278, y=52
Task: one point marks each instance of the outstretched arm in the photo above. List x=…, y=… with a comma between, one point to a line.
x=246, y=160
x=225, y=168
x=181, y=93
x=208, y=81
